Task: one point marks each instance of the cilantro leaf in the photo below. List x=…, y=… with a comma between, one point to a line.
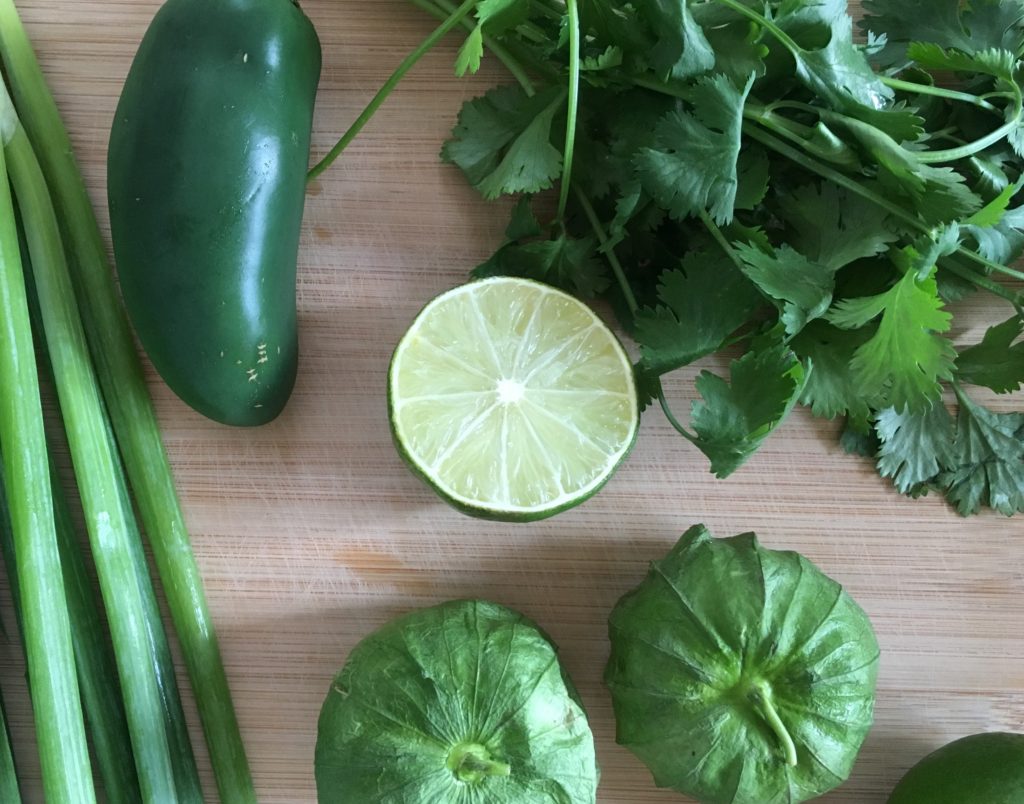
x=680, y=50
x=904, y=360
x=471, y=53
x=991, y=171
x=1002, y=65
x=702, y=304
x=831, y=389
x=1004, y=242
x=753, y=175
x=995, y=62
x=997, y=362
x=612, y=24
x=503, y=142
x=915, y=445
x=988, y=462
x=804, y=287
x=523, y=224
x=739, y=49
x=734, y=418
x=607, y=59
x=493, y=17
x=859, y=438
x=693, y=164
x=840, y=74
x=921, y=257
x=938, y=194
x=992, y=213
x=565, y=262
x=948, y=23
x=833, y=227
x=498, y=16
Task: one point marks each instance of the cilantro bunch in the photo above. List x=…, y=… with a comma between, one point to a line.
x=740, y=172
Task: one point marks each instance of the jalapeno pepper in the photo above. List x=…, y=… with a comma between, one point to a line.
x=206, y=180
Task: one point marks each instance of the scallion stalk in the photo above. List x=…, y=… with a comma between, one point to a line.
x=107, y=519
x=131, y=412
x=97, y=675
x=60, y=730
x=10, y=793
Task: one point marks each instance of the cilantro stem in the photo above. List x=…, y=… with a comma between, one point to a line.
x=407, y=64
x=938, y=92
x=519, y=55
x=608, y=251
x=442, y=10
x=896, y=211
x=671, y=417
x=573, y=106
x=965, y=151
x=716, y=233
x=925, y=157
x=549, y=11
x=996, y=267
x=766, y=23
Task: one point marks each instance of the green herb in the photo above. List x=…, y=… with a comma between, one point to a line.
x=741, y=168
x=761, y=694
x=463, y=702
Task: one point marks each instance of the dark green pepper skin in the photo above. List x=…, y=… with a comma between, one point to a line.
x=206, y=176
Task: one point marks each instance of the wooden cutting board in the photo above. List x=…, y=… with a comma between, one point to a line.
x=311, y=533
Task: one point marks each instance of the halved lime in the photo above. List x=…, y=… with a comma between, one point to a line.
x=512, y=399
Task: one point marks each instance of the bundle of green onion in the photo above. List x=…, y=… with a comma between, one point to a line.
x=58, y=301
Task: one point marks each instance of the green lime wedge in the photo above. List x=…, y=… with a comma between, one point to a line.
x=512, y=399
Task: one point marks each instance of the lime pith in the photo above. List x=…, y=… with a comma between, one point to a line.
x=512, y=399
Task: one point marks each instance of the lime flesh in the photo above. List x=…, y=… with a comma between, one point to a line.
x=512, y=399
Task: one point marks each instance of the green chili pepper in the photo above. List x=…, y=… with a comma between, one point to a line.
x=206, y=179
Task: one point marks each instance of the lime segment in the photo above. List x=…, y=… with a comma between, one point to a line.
x=512, y=399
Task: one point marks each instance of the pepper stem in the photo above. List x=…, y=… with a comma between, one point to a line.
x=472, y=763
x=760, y=695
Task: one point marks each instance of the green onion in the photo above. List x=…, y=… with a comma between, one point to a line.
x=97, y=676
x=60, y=730
x=107, y=517
x=183, y=761
x=131, y=411
x=9, y=791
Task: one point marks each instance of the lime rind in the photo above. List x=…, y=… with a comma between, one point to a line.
x=512, y=399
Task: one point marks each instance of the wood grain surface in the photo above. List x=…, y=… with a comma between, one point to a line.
x=311, y=533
